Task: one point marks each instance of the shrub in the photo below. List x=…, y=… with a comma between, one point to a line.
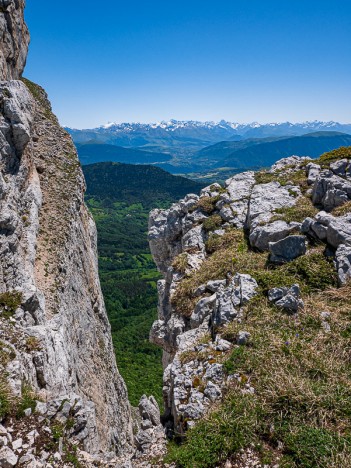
x=207, y=204
x=9, y=302
x=340, y=153
x=212, y=223
x=180, y=263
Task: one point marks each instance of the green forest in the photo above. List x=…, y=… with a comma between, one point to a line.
x=120, y=197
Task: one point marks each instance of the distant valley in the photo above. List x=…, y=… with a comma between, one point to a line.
x=120, y=197
x=206, y=150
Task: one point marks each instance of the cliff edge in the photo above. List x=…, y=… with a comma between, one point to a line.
x=57, y=361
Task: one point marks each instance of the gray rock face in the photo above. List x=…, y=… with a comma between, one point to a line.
x=233, y=205
x=14, y=39
x=174, y=230
x=343, y=263
x=261, y=236
x=328, y=228
x=265, y=199
x=287, y=298
x=290, y=164
x=330, y=190
x=287, y=249
x=150, y=439
x=313, y=171
x=48, y=257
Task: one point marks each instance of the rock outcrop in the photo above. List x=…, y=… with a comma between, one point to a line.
x=14, y=39
x=275, y=213
x=53, y=321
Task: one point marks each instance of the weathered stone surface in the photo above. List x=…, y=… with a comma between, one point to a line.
x=287, y=298
x=328, y=228
x=265, y=199
x=261, y=236
x=233, y=205
x=340, y=167
x=313, y=171
x=14, y=39
x=343, y=263
x=290, y=164
x=203, y=310
x=330, y=190
x=8, y=459
x=48, y=255
x=287, y=249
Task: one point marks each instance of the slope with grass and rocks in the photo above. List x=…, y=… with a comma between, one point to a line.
x=254, y=317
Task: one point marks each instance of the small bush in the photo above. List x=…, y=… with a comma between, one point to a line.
x=32, y=344
x=207, y=204
x=180, y=263
x=212, y=223
x=9, y=303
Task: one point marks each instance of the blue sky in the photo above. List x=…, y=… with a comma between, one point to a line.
x=239, y=60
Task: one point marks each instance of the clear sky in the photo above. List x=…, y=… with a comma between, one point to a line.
x=151, y=60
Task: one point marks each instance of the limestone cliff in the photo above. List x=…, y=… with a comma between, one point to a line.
x=55, y=341
x=14, y=39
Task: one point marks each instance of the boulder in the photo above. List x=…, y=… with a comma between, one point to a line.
x=313, y=171
x=261, y=236
x=343, y=263
x=8, y=459
x=330, y=190
x=290, y=164
x=243, y=338
x=203, y=310
x=287, y=249
x=339, y=167
x=286, y=298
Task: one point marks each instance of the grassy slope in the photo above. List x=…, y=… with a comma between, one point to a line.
x=300, y=412
x=120, y=197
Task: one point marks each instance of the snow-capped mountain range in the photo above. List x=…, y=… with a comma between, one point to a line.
x=194, y=134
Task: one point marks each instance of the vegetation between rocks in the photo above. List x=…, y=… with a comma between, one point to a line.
x=299, y=414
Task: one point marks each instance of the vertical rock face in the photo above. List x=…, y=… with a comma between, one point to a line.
x=52, y=313
x=14, y=39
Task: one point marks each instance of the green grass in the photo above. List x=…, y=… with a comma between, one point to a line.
x=223, y=432
x=301, y=409
x=27, y=400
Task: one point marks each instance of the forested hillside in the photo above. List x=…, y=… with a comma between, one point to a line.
x=120, y=197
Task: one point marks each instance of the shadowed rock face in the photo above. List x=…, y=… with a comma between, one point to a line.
x=14, y=39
